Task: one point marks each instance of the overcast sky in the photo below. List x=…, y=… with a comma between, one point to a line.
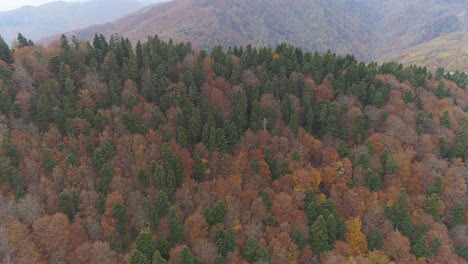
x=13, y=4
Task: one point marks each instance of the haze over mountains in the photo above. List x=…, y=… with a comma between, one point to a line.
x=369, y=29
x=37, y=22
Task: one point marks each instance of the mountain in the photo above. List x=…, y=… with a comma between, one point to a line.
x=56, y=17
x=449, y=51
x=369, y=29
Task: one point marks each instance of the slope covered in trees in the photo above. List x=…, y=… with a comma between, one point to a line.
x=368, y=29
x=159, y=153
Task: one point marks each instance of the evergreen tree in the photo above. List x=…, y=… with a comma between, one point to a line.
x=319, y=236
x=373, y=181
x=138, y=257
x=101, y=203
x=186, y=256
x=121, y=217
x=198, y=168
x=298, y=238
x=458, y=214
x=64, y=205
x=310, y=207
x=331, y=229
x=176, y=227
x=142, y=178
x=215, y=214
x=375, y=239
x=5, y=52
x=434, y=246
x=157, y=258
x=145, y=244
x=254, y=252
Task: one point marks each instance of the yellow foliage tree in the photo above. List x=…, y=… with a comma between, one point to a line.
x=354, y=237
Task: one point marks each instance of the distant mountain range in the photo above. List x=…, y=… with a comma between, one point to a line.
x=37, y=22
x=449, y=51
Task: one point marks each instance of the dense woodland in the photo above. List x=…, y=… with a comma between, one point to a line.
x=158, y=153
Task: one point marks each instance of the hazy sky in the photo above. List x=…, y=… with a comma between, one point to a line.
x=13, y=4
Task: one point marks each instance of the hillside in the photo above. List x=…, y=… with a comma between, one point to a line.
x=449, y=51
x=368, y=29
x=37, y=22
x=156, y=153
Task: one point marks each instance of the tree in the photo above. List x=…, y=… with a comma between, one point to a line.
x=215, y=214
x=186, y=256
x=199, y=168
x=64, y=205
x=139, y=258
x=254, y=252
x=145, y=245
x=373, y=181
x=5, y=52
x=375, y=239
x=121, y=217
x=399, y=215
x=434, y=247
x=458, y=214
x=319, y=236
x=158, y=259
x=176, y=227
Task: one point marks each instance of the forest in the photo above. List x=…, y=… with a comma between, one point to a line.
x=155, y=152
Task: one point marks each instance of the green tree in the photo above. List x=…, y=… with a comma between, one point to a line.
x=158, y=259
x=375, y=239
x=254, y=252
x=331, y=229
x=5, y=52
x=445, y=120
x=373, y=181
x=266, y=200
x=434, y=246
x=458, y=214
x=319, y=236
x=186, y=256
x=176, y=227
x=215, y=214
x=310, y=207
x=145, y=244
x=198, y=168
x=138, y=257
x=121, y=217
x=298, y=238
x=64, y=205
x=101, y=203
x=142, y=178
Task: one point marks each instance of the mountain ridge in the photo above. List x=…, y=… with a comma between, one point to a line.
x=368, y=29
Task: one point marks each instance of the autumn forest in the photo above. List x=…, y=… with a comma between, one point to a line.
x=156, y=152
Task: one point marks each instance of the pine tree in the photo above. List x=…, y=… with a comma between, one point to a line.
x=176, y=227
x=458, y=214
x=319, y=236
x=310, y=207
x=253, y=251
x=5, y=52
x=298, y=238
x=138, y=257
x=331, y=229
x=434, y=246
x=121, y=217
x=64, y=205
x=145, y=244
x=157, y=258
x=375, y=239
x=198, y=168
x=186, y=256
